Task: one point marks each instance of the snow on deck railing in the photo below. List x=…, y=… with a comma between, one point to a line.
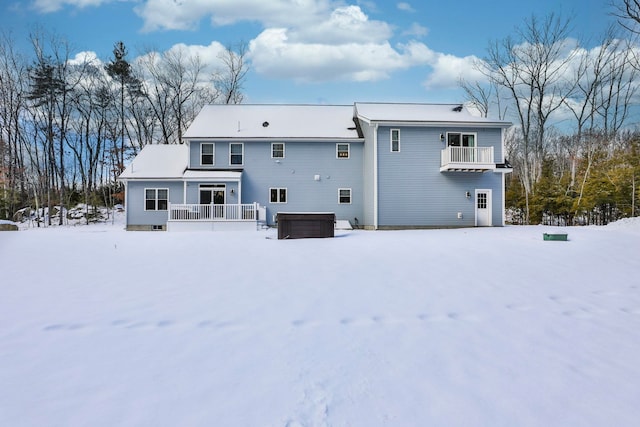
x=211, y=212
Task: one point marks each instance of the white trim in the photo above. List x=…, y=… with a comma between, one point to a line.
x=348, y=150
x=184, y=192
x=242, y=154
x=350, y=196
x=375, y=177
x=475, y=138
x=278, y=189
x=391, y=140
x=283, y=150
x=504, y=190
x=489, y=205
x=213, y=153
x=144, y=199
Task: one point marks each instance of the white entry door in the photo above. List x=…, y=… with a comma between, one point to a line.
x=483, y=208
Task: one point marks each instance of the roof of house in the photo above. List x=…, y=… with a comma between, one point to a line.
x=422, y=114
x=273, y=121
x=158, y=161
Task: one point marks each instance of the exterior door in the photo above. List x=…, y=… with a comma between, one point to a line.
x=214, y=193
x=483, y=208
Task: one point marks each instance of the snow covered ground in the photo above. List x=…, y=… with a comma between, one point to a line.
x=466, y=327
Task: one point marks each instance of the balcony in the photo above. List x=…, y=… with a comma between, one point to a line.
x=467, y=159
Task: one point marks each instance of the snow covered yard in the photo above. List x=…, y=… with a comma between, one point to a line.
x=467, y=327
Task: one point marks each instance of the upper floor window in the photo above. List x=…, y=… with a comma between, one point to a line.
x=236, y=153
x=277, y=150
x=156, y=199
x=278, y=195
x=342, y=151
x=459, y=139
x=207, y=153
x=395, y=140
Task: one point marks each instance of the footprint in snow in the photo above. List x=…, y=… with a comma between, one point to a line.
x=63, y=327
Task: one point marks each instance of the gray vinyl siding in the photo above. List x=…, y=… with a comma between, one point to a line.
x=412, y=192
x=296, y=172
x=136, y=215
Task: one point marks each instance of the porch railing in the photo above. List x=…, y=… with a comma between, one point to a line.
x=211, y=212
x=470, y=155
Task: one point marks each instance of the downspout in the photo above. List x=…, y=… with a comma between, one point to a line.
x=375, y=176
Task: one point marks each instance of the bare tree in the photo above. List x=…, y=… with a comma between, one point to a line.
x=532, y=69
x=229, y=80
x=176, y=87
x=13, y=89
x=628, y=14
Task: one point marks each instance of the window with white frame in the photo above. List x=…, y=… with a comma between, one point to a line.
x=342, y=151
x=277, y=150
x=395, y=140
x=207, y=151
x=236, y=153
x=278, y=195
x=156, y=199
x=461, y=139
x=344, y=196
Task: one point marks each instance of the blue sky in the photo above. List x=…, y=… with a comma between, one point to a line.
x=308, y=51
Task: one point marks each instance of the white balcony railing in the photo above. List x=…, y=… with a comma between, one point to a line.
x=211, y=212
x=471, y=156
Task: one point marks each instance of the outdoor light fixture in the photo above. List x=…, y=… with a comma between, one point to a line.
x=442, y=137
x=466, y=194
x=233, y=191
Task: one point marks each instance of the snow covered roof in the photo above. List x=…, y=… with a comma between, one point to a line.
x=422, y=113
x=274, y=121
x=158, y=161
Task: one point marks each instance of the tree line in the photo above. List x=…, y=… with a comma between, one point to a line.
x=69, y=124
x=575, y=145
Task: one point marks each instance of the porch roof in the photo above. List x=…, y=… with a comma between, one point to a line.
x=217, y=175
x=157, y=161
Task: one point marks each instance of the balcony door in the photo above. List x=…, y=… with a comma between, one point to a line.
x=213, y=193
x=467, y=144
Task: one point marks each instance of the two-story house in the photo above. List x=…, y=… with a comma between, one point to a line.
x=375, y=165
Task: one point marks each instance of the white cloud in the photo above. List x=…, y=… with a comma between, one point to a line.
x=274, y=55
x=406, y=7
x=48, y=6
x=416, y=30
x=448, y=69
x=184, y=15
x=344, y=25
x=85, y=57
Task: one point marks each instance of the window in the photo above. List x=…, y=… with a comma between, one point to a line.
x=278, y=195
x=395, y=140
x=236, y=153
x=344, y=196
x=156, y=199
x=206, y=154
x=277, y=150
x=342, y=151
x=461, y=139
x=482, y=200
